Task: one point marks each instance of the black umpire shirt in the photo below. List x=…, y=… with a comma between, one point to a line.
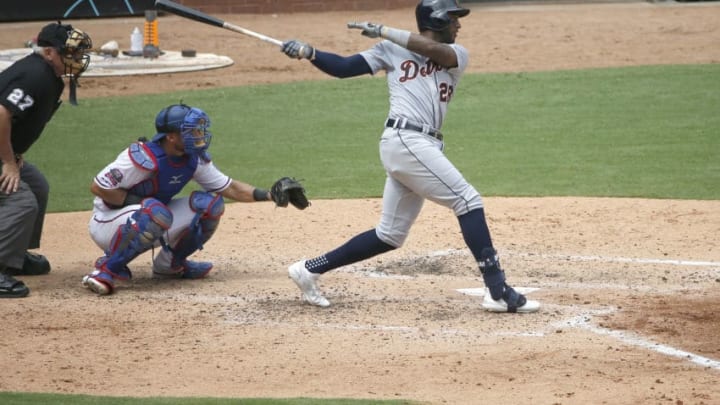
x=31, y=91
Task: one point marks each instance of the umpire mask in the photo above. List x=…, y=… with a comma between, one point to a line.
x=73, y=46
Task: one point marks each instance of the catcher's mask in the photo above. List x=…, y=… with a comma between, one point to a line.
x=73, y=46
x=191, y=123
x=434, y=15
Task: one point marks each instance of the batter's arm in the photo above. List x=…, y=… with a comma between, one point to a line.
x=330, y=63
x=341, y=67
x=440, y=53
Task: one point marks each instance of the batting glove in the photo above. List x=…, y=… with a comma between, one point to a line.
x=369, y=29
x=298, y=50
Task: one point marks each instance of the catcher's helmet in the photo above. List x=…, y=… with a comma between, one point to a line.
x=72, y=44
x=190, y=122
x=434, y=15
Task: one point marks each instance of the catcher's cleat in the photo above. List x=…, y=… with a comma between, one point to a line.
x=307, y=282
x=99, y=282
x=123, y=275
x=511, y=301
x=187, y=269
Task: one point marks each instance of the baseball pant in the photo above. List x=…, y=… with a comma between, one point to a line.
x=417, y=169
x=22, y=215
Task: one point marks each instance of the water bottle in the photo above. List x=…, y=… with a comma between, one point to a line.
x=136, y=41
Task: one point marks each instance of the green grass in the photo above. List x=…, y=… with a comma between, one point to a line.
x=629, y=132
x=635, y=132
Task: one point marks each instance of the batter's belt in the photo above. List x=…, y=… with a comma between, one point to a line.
x=403, y=123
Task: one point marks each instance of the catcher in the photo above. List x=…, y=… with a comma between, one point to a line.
x=135, y=208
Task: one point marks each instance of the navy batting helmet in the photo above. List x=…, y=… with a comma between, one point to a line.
x=435, y=15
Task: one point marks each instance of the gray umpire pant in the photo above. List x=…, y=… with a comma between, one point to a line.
x=22, y=215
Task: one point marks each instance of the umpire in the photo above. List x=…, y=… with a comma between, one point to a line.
x=30, y=91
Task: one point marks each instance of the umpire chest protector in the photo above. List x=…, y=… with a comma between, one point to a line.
x=169, y=174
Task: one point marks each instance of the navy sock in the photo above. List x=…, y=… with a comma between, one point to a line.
x=361, y=247
x=475, y=232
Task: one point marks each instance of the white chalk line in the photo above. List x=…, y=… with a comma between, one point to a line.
x=583, y=322
x=586, y=258
x=372, y=271
x=675, y=262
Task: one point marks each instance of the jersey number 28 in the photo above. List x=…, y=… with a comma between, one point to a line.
x=446, y=92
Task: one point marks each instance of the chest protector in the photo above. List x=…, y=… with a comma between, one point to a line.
x=170, y=174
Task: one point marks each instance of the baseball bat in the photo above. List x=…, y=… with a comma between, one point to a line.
x=197, y=15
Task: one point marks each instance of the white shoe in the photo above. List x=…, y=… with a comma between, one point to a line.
x=501, y=306
x=307, y=282
x=96, y=285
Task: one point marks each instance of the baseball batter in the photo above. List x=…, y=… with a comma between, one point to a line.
x=423, y=71
x=135, y=208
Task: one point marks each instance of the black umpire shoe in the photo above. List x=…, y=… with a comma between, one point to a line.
x=34, y=265
x=11, y=288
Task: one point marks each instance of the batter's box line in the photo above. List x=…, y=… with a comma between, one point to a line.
x=587, y=258
x=376, y=327
x=582, y=321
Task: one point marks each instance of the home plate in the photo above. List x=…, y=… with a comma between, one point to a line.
x=123, y=65
x=480, y=292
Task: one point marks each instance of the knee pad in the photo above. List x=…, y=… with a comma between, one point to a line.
x=151, y=221
x=138, y=234
x=208, y=209
x=493, y=274
x=210, y=205
x=153, y=215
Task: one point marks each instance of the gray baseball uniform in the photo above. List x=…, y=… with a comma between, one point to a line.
x=423, y=71
x=417, y=169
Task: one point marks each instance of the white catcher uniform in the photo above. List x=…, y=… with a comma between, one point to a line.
x=414, y=160
x=122, y=173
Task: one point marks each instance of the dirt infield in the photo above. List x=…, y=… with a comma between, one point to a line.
x=630, y=288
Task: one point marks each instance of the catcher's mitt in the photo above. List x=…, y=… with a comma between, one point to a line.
x=288, y=190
